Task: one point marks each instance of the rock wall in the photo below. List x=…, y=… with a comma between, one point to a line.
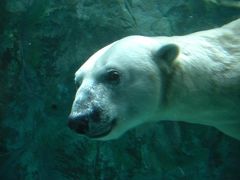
x=42, y=44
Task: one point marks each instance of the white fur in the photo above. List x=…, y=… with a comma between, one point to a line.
x=204, y=87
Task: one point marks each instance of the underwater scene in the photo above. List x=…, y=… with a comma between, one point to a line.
x=119, y=90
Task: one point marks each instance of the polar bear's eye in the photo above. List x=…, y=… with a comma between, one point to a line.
x=113, y=77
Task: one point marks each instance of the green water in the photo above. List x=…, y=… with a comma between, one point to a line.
x=43, y=43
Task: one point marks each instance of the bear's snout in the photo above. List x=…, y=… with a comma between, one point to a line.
x=78, y=123
x=91, y=124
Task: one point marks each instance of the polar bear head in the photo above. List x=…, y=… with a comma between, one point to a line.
x=120, y=87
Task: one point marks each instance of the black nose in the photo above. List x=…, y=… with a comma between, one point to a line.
x=78, y=123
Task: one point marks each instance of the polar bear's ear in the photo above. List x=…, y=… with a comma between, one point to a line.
x=168, y=53
x=165, y=57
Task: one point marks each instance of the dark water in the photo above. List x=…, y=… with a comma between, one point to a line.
x=42, y=44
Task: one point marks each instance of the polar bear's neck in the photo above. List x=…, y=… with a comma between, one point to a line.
x=206, y=79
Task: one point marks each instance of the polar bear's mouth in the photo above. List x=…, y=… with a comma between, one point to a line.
x=90, y=127
x=100, y=130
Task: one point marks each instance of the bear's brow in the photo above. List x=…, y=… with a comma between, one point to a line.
x=78, y=77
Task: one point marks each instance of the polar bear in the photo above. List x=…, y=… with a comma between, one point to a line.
x=193, y=78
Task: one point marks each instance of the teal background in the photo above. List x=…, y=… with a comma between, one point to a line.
x=42, y=44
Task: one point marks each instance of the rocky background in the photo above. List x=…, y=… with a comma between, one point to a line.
x=42, y=44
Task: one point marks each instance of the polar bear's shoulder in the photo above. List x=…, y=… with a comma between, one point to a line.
x=234, y=25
